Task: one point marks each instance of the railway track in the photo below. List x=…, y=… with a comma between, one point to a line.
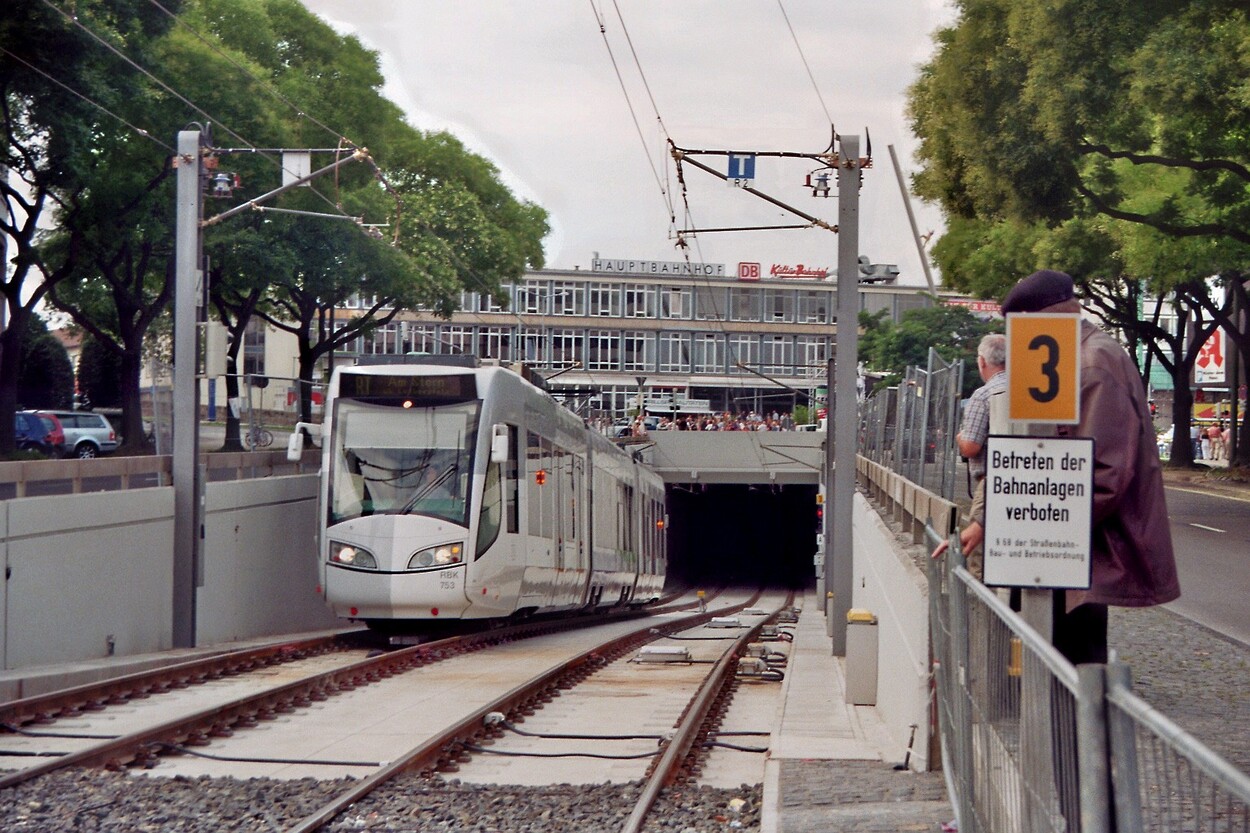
x=426, y=709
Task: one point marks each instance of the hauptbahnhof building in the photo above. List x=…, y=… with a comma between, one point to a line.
x=668, y=334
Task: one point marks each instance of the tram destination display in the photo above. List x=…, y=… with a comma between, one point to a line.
x=1039, y=498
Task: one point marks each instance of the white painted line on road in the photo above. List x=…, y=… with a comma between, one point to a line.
x=1209, y=528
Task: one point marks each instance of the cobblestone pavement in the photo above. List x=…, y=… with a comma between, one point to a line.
x=860, y=796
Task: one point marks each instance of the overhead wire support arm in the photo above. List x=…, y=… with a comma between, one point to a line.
x=358, y=155
x=683, y=156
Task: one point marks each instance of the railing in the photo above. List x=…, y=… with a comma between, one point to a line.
x=911, y=429
x=1031, y=743
x=29, y=478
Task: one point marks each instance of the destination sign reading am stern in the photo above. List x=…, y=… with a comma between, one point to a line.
x=1039, y=505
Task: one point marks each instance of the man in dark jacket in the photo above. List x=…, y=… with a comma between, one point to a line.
x=1132, y=560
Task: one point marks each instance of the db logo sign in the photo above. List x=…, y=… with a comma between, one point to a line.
x=748, y=271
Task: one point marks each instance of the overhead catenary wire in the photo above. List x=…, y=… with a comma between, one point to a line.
x=803, y=58
x=75, y=18
x=147, y=134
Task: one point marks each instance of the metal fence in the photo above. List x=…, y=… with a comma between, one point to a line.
x=911, y=428
x=1031, y=743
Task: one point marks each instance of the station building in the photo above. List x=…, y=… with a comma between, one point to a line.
x=671, y=336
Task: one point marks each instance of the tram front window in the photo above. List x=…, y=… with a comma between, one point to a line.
x=398, y=461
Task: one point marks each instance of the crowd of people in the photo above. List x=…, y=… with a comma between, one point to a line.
x=640, y=426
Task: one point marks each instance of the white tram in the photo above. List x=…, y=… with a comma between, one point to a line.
x=468, y=492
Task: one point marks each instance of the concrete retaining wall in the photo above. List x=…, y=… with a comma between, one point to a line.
x=888, y=583
x=91, y=575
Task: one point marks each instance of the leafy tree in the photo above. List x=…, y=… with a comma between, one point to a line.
x=47, y=376
x=1069, y=128
x=100, y=374
x=54, y=78
x=952, y=331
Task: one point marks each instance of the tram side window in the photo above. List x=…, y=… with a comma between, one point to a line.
x=512, y=490
x=492, y=511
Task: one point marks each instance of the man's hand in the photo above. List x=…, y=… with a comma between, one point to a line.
x=969, y=539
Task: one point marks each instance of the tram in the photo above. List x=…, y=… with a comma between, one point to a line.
x=468, y=492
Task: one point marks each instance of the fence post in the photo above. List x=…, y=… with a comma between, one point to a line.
x=1093, y=763
x=961, y=710
x=1122, y=742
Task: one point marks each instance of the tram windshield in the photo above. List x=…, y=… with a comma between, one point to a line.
x=400, y=461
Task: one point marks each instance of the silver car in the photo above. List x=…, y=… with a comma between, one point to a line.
x=87, y=434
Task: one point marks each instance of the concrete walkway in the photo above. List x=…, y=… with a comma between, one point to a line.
x=831, y=768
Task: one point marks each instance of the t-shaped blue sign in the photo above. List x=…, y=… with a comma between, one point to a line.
x=741, y=167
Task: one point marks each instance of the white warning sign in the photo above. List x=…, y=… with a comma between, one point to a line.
x=1039, y=500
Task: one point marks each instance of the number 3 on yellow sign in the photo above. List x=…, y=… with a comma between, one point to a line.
x=1044, y=367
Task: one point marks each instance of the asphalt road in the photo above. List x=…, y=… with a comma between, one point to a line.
x=1211, y=536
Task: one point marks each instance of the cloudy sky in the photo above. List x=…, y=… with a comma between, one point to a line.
x=532, y=86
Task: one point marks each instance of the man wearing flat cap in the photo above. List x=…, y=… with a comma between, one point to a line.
x=1132, y=560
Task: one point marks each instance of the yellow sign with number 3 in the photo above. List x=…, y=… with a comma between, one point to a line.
x=1044, y=367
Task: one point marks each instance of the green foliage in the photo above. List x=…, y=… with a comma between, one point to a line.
x=46, y=380
x=952, y=331
x=100, y=374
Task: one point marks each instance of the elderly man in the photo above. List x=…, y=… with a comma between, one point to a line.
x=1132, y=560
x=992, y=365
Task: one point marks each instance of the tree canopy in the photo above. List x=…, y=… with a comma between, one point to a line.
x=258, y=74
x=1105, y=138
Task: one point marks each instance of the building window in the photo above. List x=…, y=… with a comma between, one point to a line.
x=709, y=353
x=534, y=347
x=813, y=356
x=495, y=343
x=674, y=352
x=605, y=300
x=639, y=301
x=566, y=348
x=777, y=354
x=814, y=307
x=254, y=346
x=675, y=302
x=779, y=305
x=457, y=339
x=534, y=298
x=709, y=303
x=483, y=302
x=744, y=348
x=568, y=298
x=744, y=304
x=637, y=351
x=603, y=350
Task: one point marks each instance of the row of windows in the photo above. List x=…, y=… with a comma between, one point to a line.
x=685, y=303
x=606, y=350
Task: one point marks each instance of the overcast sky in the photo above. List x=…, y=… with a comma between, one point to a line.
x=531, y=86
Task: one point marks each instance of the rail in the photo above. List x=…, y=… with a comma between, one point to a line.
x=1031, y=743
x=907, y=504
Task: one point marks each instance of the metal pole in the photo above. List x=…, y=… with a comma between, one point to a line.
x=911, y=218
x=841, y=554
x=186, y=399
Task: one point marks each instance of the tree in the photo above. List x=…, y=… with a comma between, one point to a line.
x=951, y=330
x=1036, y=114
x=100, y=374
x=54, y=80
x=47, y=377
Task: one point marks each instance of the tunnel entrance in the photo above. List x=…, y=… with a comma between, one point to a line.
x=742, y=535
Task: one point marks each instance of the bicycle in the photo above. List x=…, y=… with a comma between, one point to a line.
x=258, y=438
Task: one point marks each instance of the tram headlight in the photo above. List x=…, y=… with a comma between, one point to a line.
x=350, y=555
x=442, y=556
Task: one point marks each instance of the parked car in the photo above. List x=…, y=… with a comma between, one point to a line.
x=39, y=432
x=87, y=434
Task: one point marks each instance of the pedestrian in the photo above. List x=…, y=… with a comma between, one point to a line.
x=1132, y=561
x=1195, y=439
x=1133, y=564
x=1215, y=437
